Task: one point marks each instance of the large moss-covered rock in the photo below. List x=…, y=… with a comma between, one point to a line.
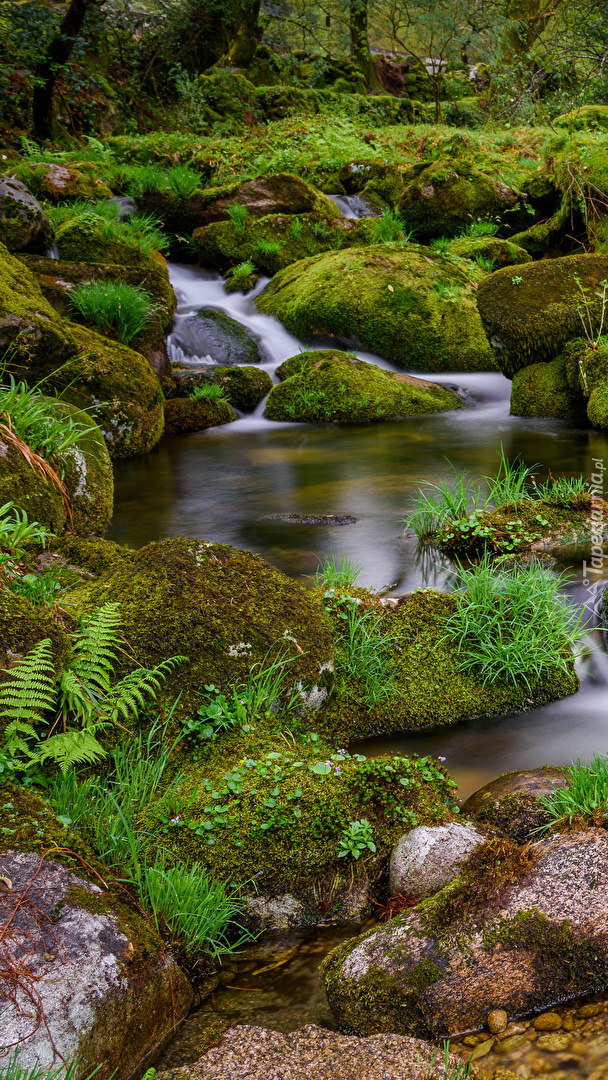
x=243, y=386
x=544, y=390
x=86, y=239
x=500, y=252
x=276, y=193
x=99, y=985
x=28, y=324
x=587, y=372
x=332, y=386
x=22, y=625
x=413, y=309
x=529, y=316
x=585, y=118
x=512, y=802
x=23, y=223
x=441, y=198
x=184, y=414
x=513, y=932
x=212, y=333
x=61, y=183
x=221, y=607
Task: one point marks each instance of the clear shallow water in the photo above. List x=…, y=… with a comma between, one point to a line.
x=224, y=485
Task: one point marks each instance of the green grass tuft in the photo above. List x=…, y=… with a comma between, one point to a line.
x=114, y=305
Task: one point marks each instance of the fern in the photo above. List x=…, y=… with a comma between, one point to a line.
x=128, y=695
x=30, y=689
x=70, y=748
x=94, y=652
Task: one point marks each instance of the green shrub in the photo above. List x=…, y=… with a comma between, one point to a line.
x=208, y=392
x=356, y=838
x=183, y=181
x=585, y=794
x=238, y=215
x=114, y=305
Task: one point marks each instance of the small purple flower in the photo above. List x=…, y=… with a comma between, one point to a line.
x=441, y=759
x=338, y=769
x=341, y=751
x=328, y=763
x=174, y=820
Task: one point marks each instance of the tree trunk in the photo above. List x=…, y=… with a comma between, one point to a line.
x=56, y=56
x=245, y=39
x=359, y=43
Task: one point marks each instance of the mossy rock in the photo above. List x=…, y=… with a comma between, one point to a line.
x=587, y=372
x=28, y=324
x=501, y=252
x=87, y=475
x=333, y=387
x=61, y=183
x=184, y=414
x=511, y=803
x=211, y=333
x=22, y=625
x=221, y=607
x=243, y=386
x=31, y=824
x=585, y=118
x=24, y=225
x=543, y=390
x=441, y=198
x=380, y=182
x=529, y=316
x=430, y=687
x=415, y=310
x=84, y=240
x=93, y=555
x=275, y=193
x=273, y=242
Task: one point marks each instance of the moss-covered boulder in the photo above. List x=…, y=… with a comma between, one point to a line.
x=275, y=193
x=117, y=382
x=441, y=198
x=585, y=118
x=221, y=607
x=544, y=390
x=244, y=387
x=512, y=802
x=87, y=475
x=529, y=315
x=61, y=183
x=87, y=239
x=515, y=931
x=24, y=225
x=332, y=386
x=379, y=183
x=184, y=414
x=409, y=307
x=22, y=625
x=211, y=334
x=491, y=248
x=587, y=372
x=28, y=324
x=429, y=687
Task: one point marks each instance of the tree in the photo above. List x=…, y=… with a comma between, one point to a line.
x=55, y=58
x=246, y=34
x=359, y=43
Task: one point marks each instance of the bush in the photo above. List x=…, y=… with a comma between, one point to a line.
x=114, y=305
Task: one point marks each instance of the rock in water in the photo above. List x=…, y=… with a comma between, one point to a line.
x=542, y=940
x=429, y=857
x=24, y=225
x=98, y=981
x=214, y=334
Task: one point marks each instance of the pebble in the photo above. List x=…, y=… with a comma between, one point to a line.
x=586, y=1011
x=497, y=1021
x=554, y=1041
x=549, y=1021
x=512, y=1043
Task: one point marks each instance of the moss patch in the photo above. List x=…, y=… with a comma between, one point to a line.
x=543, y=390
x=501, y=252
x=331, y=386
x=190, y=414
x=28, y=323
x=515, y=530
x=22, y=626
x=243, y=386
x=412, y=309
x=440, y=198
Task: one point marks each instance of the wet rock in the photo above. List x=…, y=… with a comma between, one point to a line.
x=542, y=940
x=312, y=1053
x=98, y=981
x=544, y=390
x=336, y=902
x=429, y=857
x=511, y=802
x=28, y=323
x=555, y=1042
x=549, y=1021
x=214, y=335
x=183, y=415
x=315, y=519
x=497, y=1021
x=24, y=225
x=275, y=193
x=243, y=386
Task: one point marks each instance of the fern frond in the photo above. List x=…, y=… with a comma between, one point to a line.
x=77, y=699
x=71, y=748
x=128, y=696
x=30, y=687
x=94, y=652
x=14, y=741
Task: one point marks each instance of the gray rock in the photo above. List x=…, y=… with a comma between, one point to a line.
x=211, y=333
x=338, y=902
x=531, y=944
x=95, y=980
x=24, y=225
x=429, y=857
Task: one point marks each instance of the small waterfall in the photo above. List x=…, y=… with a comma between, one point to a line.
x=53, y=252
x=353, y=206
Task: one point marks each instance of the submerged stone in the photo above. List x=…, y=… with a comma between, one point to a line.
x=213, y=334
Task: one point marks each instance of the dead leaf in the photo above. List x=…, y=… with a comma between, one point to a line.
x=390, y=288
x=8, y=881
x=481, y=1050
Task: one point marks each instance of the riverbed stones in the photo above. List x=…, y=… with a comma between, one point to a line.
x=549, y=1021
x=511, y=802
x=24, y=225
x=212, y=335
x=96, y=982
x=541, y=940
x=429, y=857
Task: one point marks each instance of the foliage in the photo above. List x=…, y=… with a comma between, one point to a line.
x=38, y=422
x=114, y=305
x=337, y=576
x=510, y=484
x=208, y=392
x=480, y=228
x=238, y=215
x=140, y=232
x=512, y=624
x=81, y=696
x=584, y=796
x=388, y=228
x=183, y=181
x=364, y=668
x=356, y=838
x=191, y=908
x=438, y=504
x=240, y=277
x=564, y=491
x=11, y=1069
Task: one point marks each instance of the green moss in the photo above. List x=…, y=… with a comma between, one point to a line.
x=331, y=386
x=519, y=816
x=393, y=301
x=543, y=390
x=273, y=193
x=515, y=530
x=21, y=484
x=243, y=386
x=191, y=414
x=441, y=198
x=95, y=555
x=430, y=687
x=28, y=323
x=22, y=626
x=585, y=118
x=529, y=316
x=561, y=956
x=62, y=183
x=83, y=239
x=502, y=252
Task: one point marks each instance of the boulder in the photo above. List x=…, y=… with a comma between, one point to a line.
x=412, y=308
x=88, y=239
x=29, y=326
x=443, y=197
x=24, y=225
x=511, y=803
x=61, y=183
x=331, y=386
x=543, y=390
x=500, y=252
x=23, y=625
x=429, y=857
x=193, y=414
x=540, y=937
x=529, y=316
x=98, y=985
x=314, y=1053
x=211, y=334
x=244, y=387
x=275, y=193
